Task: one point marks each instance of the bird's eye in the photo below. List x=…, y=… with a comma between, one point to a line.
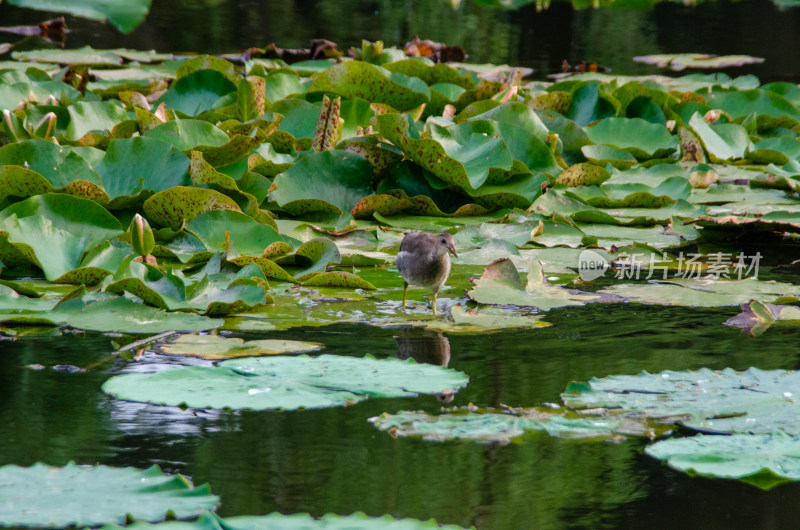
x=444, y=241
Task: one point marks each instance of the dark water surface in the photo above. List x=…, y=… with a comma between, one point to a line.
x=333, y=460
x=610, y=36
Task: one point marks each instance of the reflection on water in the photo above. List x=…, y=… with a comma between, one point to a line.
x=432, y=347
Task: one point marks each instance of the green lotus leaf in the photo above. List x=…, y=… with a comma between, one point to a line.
x=178, y=204
x=238, y=147
x=216, y=347
x=134, y=168
x=41, y=495
x=268, y=267
x=88, y=116
x=113, y=314
x=488, y=320
x=725, y=141
x=490, y=426
x=642, y=139
x=704, y=292
x=602, y=155
x=240, y=295
x=329, y=181
x=60, y=166
x=154, y=287
x=518, y=115
x=338, y=279
x=520, y=134
x=777, y=150
x=501, y=284
x=633, y=195
x=380, y=155
x=82, y=218
x=726, y=401
x=583, y=174
x=197, y=92
x=742, y=103
x=186, y=134
x=358, y=520
x=357, y=79
x=316, y=255
x=589, y=104
x=285, y=383
x=681, y=61
x=518, y=192
x=571, y=137
x=85, y=55
x=432, y=74
x=280, y=85
x=245, y=236
x=764, y=461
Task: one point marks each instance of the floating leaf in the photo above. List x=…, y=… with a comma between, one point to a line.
x=285, y=383
x=501, y=284
x=72, y=495
x=764, y=461
x=216, y=347
x=490, y=426
x=726, y=401
x=642, y=139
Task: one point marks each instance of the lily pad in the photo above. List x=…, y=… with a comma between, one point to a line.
x=216, y=347
x=490, y=426
x=41, y=495
x=285, y=383
x=754, y=401
x=642, y=139
x=764, y=461
x=501, y=284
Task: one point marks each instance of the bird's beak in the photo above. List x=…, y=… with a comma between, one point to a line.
x=452, y=250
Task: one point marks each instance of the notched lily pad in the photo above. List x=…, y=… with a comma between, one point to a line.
x=89, y=496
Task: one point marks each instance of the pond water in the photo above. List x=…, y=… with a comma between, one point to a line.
x=333, y=460
x=524, y=37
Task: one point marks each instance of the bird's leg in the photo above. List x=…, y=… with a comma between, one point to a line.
x=405, y=289
x=435, y=294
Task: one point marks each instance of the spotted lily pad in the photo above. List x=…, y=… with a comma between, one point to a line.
x=286, y=383
x=90, y=496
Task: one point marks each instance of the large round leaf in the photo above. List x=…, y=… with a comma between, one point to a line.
x=197, y=92
x=642, y=139
x=45, y=496
x=352, y=79
x=141, y=164
x=246, y=236
x=285, y=382
x=325, y=181
x=765, y=460
x=174, y=206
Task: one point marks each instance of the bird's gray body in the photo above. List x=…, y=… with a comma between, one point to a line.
x=424, y=260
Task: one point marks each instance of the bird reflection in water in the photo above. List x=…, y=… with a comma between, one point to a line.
x=430, y=348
